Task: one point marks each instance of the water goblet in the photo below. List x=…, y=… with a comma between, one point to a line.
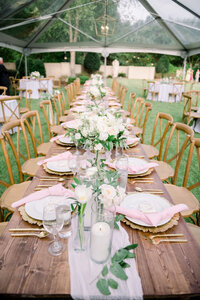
x=121, y=165
x=73, y=164
x=53, y=225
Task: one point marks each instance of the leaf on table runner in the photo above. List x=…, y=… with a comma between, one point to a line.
x=118, y=271
x=130, y=247
x=119, y=218
x=112, y=283
x=102, y=286
x=76, y=180
x=104, y=272
x=124, y=265
x=131, y=255
x=120, y=255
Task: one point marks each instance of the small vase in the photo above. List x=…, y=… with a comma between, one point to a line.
x=79, y=239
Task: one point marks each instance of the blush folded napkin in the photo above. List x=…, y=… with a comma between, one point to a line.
x=62, y=156
x=56, y=190
x=57, y=137
x=70, y=124
x=134, y=169
x=132, y=140
x=152, y=219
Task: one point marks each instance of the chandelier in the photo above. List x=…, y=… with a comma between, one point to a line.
x=105, y=25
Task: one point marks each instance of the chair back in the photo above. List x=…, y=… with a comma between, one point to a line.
x=142, y=120
x=48, y=114
x=192, y=182
x=9, y=108
x=131, y=101
x=57, y=108
x=43, y=84
x=179, y=140
x=123, y=96
x=177, y=90
x=161, y=127
x=187, y=108
x=28, y=99
x=195, y=96
x=31, y=125
x=137, y=107
x=114, y=85
x=3, y=89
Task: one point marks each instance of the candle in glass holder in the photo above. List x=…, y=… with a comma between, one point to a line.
x=100, y=242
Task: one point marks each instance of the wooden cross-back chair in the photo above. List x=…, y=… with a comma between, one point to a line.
x=58, y=108
x=140, y=126
x=3, y=89
x=27, y=102
x=48, y=112
x=176, y=93
x=26, y=77
x=9, y=109
x=188, y=114
x=152, y=90
x=78, y=86
x=161, y=127
x=12, y=181
x=32, y=124
x=144, y=88
x=123, y=96
x=183, y=193
x=24, y=145
x=136, y=109
x=69, y=94
x=131, y=101
x=195, y=96
x=114, y=85
x=43, y=85
x=178, y=142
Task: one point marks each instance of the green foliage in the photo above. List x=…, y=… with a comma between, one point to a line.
x=163, y=65
x=116, y=267
x=83, y=78
x=12, y=73
x=92, y=62
x=122, y=75
x=109, y=76
x=32, y=64
x=71, y=79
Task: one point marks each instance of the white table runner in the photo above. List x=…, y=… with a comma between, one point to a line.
x=83, y=271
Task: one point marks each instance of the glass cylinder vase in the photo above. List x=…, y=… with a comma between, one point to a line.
x=102, y=224
x=79, y=241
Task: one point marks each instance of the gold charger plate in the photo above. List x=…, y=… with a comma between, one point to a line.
x=55, y=172
x=64, y=144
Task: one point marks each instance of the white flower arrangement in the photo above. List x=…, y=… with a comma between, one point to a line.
x=35, y=74
x=98, y=130
x=111, y=196
x=96, y=90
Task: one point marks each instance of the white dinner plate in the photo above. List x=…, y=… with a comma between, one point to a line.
x=35, y=208
x=132, y=161
x=58, y=166
x=147, y=203
x=66, y=140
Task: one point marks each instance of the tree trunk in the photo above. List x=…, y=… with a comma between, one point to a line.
x=72, y=62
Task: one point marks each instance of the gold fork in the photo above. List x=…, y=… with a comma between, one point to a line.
x=168, y=240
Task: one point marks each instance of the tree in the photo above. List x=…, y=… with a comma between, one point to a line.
x=163, y=65
x=92, y=62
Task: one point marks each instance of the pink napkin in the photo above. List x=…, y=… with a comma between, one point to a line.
x=56, y=190
x=134, y=169
x=57, y=137
x=132, y=140
x=62, y=156
x=151, y=218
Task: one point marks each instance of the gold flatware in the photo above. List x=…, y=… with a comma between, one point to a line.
x=141, y=181
x=40, y=235
x=166, y=235
x=139, y=189
x=158, y=241
x=49, y=177
x=52, y=179
x=26, y=229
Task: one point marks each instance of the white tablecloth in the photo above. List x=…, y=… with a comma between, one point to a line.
x=34, y=85
x=164, y=89
x=12, y=104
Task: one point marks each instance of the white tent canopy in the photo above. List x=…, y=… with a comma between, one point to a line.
x=105, y=26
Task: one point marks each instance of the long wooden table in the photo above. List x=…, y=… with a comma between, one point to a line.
x=166, y=270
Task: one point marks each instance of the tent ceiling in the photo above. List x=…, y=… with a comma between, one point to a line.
x=167, y=26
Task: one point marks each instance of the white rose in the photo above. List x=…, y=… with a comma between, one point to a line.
x=108, y=191
x=82, y=193
x=103, y=136
x=77, y=136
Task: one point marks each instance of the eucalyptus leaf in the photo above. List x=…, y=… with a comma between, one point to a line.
x=118, y=271
x=76, y=180
x=120, y=255
x=130, y=247
x=124, y=265
x=104, y=272
x=102, y=286
x=112, y=283
x=131, y=255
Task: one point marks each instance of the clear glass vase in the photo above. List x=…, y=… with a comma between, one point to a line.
x=79, y=239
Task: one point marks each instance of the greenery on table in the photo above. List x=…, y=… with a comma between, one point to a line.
x=133, y=85
x=117, y=267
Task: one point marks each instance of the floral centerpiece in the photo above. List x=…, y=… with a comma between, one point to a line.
x=96, y=90
x=35, y=74
x=99, y=130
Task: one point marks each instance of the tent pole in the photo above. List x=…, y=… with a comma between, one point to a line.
x=184, y=67
x=105, y=64
x=26, y=69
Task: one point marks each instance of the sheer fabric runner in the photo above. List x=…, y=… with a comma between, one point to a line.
x=83, y=271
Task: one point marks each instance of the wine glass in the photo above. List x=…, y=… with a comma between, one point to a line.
x=73, y=164
x=53, y=225
x=121, y=165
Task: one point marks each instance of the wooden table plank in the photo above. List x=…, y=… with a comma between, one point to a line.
x=26, y=267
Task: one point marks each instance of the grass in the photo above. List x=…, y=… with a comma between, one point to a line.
x=175, y=109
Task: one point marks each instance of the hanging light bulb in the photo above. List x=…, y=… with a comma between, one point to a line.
x=65, y=56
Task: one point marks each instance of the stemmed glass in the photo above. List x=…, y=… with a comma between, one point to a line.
x=76, y=144
x=121, y=165
x=53, y=225
x=73, y=164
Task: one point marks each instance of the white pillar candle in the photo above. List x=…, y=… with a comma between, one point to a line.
x=100, y=241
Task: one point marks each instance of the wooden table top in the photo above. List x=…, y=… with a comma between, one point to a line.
x=166, y=270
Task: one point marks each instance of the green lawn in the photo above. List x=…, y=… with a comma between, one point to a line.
x=175, y=109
